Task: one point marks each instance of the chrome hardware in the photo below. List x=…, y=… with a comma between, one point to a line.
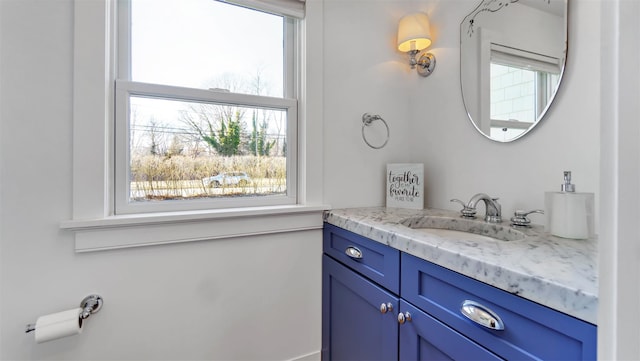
x=353, y=252
x=367, y=119
x=481, y=315
x=493, y=212
x=520, y=219
x=466, y=211
x=404, y=317
x=90, y=305
x=567, y=186
x=425, y=64
x=386, y=307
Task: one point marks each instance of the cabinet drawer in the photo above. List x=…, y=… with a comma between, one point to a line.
x=531, y=331
x=377, y=261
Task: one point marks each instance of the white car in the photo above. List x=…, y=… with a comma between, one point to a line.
x=229, y=179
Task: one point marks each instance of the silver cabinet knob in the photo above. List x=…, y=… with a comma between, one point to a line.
x=386, y=307
x=404, y=317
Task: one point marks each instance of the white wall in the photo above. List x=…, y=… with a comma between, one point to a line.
x=362, y=74
x=246, y=298
x=619, y=249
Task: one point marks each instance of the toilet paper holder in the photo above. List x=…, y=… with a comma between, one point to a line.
x=90, y=305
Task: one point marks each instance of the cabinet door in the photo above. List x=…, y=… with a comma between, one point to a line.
x=353, y=326
x=422, y=337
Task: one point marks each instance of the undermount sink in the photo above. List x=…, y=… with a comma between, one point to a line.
x=463, y=229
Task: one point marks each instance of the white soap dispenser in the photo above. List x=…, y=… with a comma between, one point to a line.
x=569, y=214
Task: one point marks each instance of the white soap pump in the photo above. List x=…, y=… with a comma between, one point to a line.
x=569, y=214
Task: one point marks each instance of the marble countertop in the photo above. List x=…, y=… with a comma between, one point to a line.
x=559, y=273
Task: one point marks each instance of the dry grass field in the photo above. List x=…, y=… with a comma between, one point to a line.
x=163, y=177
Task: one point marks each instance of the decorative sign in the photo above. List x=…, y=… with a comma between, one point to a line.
x=405, y=185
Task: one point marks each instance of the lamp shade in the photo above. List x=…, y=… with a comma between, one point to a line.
x=413, y=32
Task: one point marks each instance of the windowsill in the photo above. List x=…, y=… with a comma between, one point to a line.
x=190, y=216
x=137, y=230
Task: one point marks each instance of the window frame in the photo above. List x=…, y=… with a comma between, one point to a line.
x=125, y=88
x=92, y=220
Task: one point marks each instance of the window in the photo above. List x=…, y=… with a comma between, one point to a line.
x=94, y=221
x=522, y=84
x=204, y=90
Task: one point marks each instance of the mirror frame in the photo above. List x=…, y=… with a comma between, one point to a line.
x=468, y=23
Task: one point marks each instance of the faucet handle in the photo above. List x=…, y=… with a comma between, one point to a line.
x=520, y=219
x=498, y=205
x=466, y=211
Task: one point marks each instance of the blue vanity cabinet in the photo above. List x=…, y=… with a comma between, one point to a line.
x=382, y=304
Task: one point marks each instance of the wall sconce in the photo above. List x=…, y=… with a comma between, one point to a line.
x=413, y=37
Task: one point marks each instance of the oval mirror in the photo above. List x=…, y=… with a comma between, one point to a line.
x=512, y=58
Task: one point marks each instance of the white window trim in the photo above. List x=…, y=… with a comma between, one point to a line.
x=93, y=220
x=508, y=56
x=293, y=8
x=128, y=231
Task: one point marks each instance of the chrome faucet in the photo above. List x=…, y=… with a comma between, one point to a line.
x=493, y=212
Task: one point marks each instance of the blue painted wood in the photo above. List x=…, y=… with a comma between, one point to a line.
x=380, y=263
x=353, y=328
x=532, y=331
x=425, y=338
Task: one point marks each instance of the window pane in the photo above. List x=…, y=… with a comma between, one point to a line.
x=191, y=150
x=513, y=93
x=207, y=44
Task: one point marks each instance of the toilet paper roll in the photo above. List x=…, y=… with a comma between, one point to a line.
x=58, y=325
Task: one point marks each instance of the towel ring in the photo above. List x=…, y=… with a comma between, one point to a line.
x=367, y=119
